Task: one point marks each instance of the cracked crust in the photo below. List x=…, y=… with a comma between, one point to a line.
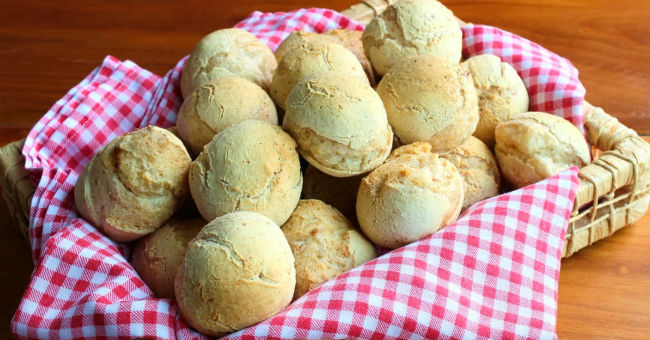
x=219, y=104
x=238, y=271
x=479, y=170
x=324, y=243
x=411, y=196
x=157, y=256
x=536, y=145
x=347, y=38
x=502, y=94
x=410, y=28
x=251, y=166
x=340, y=125
x=431, y=100
x=228, y=52
x=310, y=58
x=134, y=184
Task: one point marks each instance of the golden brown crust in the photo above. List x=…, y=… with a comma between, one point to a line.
x=324, y=243
x=251, y=166
x=412, y=195
x=238, y=271
x=351, y=39
x=410, y=28
x=431, y=100
x=347, y=38
x=157, y=256
x=310, y=58
x=502, y=94
x=339, y=124
x=535, y=145
x=479, y=170
x=228, y=52
x=221, y=103
x=134, y=184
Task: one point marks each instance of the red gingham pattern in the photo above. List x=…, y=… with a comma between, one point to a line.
x=491, y=275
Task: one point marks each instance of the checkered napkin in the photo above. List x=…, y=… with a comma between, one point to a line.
x=493, y=274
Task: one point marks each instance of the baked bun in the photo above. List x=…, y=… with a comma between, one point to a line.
x=157, y=256
x=324, y=244
x=250, y=166
x=501, y=93
x=350, y=39
x=310, y=58
x=339, y=124
x=411, y=196
x=536, y=145
x=341, y=193
x=410, y=28
x=238, y=271
x=479, y=170
x=228, y=52
x=134, y=184
x=221, y=103
x=429, y=99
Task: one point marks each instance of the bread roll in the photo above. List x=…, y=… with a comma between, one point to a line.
x=501, y=93
x=157, y=256
x=228, y=52
x=410, y=28
x=349, y=39
x=341, y=193
x=324, y=244
x=238, y=271
x=134, y=184
x=535, y=145
x=411, y=196
x=218, y=104
x=479, y=170
x=250, y=166
x=431, y=100
x=340, y=125
x=310, y=58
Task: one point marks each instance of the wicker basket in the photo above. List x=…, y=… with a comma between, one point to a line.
x=614, y=190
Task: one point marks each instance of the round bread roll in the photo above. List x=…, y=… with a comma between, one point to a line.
x=238, y=271
x=228, y=52
x=536, y=145
x=501, y=93
x=157, y=256
x=341, y=193
x=340, y=125
x=411, y=196
x=429, y=99
x=250, y=166
x=349, y=39
x=221, y=103
x=310, y=58
x=410, y=28
x=479, y=170
x=134, y=184
x=324, y=244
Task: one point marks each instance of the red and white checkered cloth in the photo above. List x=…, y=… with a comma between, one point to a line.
x=491, y=275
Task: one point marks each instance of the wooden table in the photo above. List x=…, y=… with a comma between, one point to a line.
x=48, y=47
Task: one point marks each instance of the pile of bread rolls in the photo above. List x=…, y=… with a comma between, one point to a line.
x=215, y=202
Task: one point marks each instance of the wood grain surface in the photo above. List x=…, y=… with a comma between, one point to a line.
x=48, y=47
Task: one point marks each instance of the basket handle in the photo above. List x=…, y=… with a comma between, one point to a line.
x=17, y=185
x=624, y=162
x=366, y=10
